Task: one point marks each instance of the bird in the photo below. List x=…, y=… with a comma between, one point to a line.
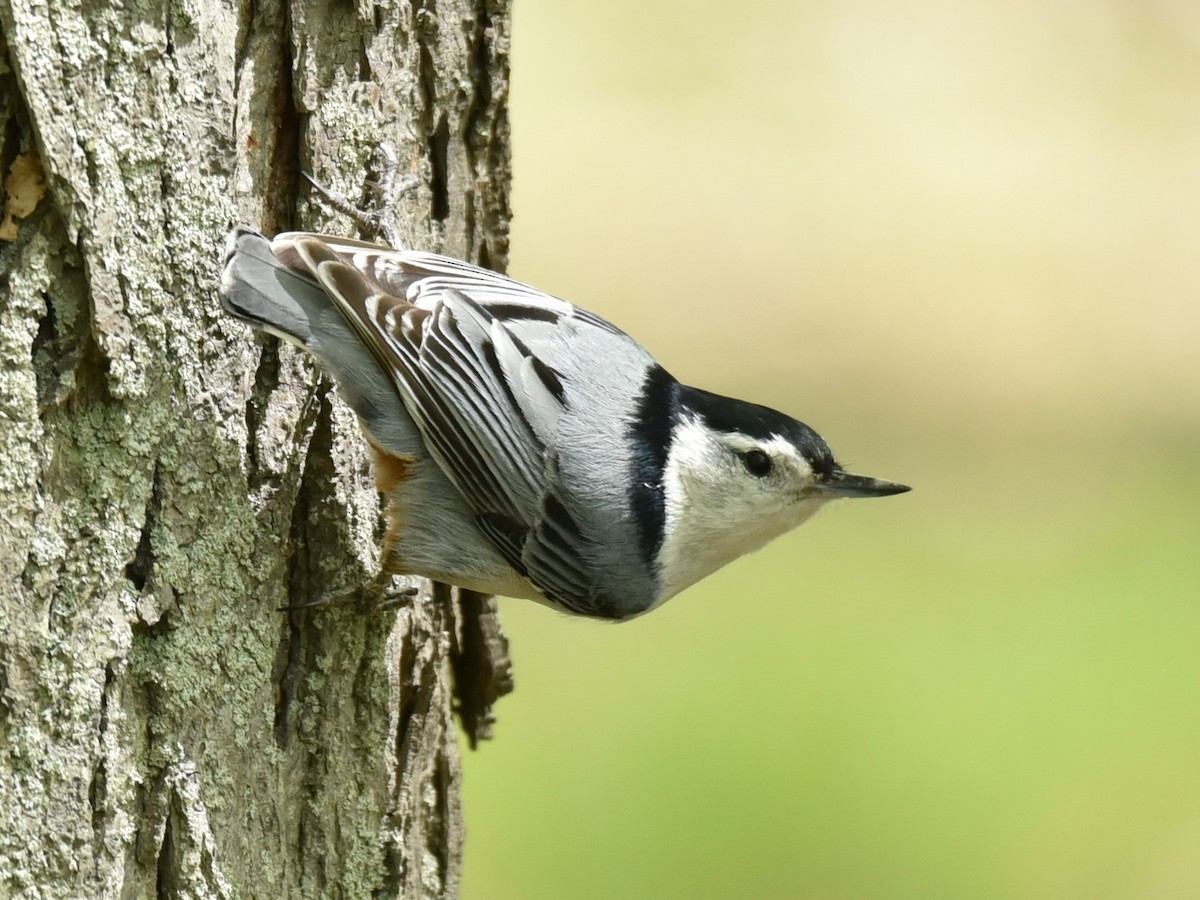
x=527, y=447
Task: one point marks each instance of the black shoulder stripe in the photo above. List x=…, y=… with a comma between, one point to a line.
x=550, y=380
x=520, y=311
x=650, y=436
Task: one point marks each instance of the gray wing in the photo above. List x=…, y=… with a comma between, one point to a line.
x=487, y=406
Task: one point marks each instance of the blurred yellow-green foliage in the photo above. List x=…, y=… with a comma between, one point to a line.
x=962, y=240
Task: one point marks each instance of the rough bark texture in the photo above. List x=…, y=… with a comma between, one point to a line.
x=167, y=479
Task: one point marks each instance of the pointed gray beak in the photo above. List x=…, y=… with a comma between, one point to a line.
x=843, y=484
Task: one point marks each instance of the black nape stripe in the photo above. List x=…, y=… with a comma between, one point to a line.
x=650, y=436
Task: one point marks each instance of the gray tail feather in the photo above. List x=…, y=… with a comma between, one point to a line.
x=259, y=289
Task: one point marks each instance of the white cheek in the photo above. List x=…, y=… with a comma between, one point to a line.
x=716, y=512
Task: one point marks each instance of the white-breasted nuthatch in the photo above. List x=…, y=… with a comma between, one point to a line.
x=527, y=447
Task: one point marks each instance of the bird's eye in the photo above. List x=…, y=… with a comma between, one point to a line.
x=757, y=463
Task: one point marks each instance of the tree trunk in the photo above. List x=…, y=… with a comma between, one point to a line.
x=168, y=479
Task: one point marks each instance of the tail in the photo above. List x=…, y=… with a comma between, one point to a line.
x=258, y=288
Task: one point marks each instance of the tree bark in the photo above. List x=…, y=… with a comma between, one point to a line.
x=168, y=480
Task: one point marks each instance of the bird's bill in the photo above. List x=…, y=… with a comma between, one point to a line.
x=843, y=484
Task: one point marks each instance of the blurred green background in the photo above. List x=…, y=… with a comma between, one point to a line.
x=962, y=240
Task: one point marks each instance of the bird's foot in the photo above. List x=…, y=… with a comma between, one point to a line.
x=378, y=593
x=376, y=215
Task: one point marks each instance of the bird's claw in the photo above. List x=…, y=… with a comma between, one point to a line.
x=379, y=593
x=376, y=216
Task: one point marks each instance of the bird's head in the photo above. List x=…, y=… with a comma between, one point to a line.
x=739, y=475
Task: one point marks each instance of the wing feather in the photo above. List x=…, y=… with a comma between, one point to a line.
x=487, y=406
